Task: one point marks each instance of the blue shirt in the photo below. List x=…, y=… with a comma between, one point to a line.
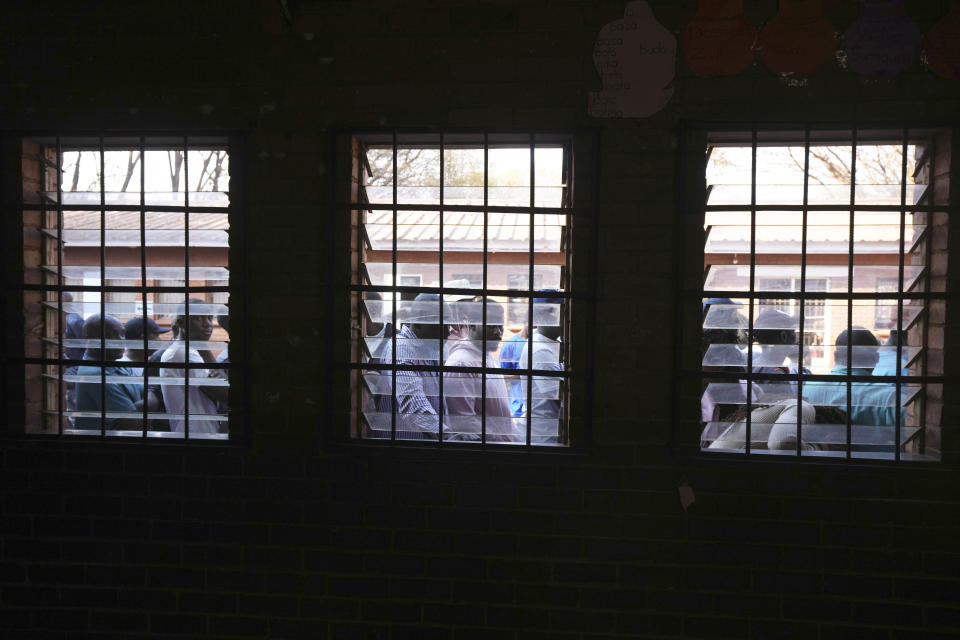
x=118, y=396
x=510, y=359
x=872, y=403
x=887, y=363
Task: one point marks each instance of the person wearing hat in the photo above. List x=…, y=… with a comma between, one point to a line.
x=464, y=401
x=417, y=344
x=134, y=330
x=776, y=335
x=197, y=399
x=545, y=404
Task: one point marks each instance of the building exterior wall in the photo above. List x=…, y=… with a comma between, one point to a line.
x=291, y=534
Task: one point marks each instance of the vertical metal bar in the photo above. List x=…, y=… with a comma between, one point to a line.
x=927, y=252
x=530, y=290
x=851, y=248
x=103, y=293
x=61, y=397
x=486, y=228
x=394, y=406
x=186, y=289
x=753, y=278
x=440, y=375
x=803, y=282
x=900, y=267
x=143, y=281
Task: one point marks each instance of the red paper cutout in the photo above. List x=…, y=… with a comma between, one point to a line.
x=883, y=41
x=636, y=58
x=942, y=44
x=719, y=40
x=799, y=40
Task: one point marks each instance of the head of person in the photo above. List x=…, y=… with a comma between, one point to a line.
x=196, y=326
x=135, y=329
x=856, y=337
x=492, y=331
x=424, y=316
x=107, y=327
x=374, y=328
x=774, y=327
x=726, y=325
x=549, y=330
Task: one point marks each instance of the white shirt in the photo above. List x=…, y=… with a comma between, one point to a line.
x=173, y=393
x=545, y=407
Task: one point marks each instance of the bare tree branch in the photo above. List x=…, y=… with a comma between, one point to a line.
x=131, y=164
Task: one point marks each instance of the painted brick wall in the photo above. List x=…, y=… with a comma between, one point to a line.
x=294, y=536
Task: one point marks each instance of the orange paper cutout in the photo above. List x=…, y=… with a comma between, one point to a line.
x=636, y=58
x=799, y=40
x=941, y=45
x=719, y=40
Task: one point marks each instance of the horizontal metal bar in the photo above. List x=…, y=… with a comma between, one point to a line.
x=121, y=363
x=119, y=289
x=516, y=293
x=365, y=206
x=744, y=376
x=821, y=295
x=426, y=368
x=842, y=207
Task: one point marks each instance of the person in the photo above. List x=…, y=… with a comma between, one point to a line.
x=510, y=352
x=417, y=344
x=722, y=340
x=378, y=333
x=114, y=396
x=887, y=357
x=774, y=426
x=134, y=330
x=871, y=403
x=545, y=406
x=72, y=330
x=776, y=336
x=464, y=403
x=223, y=319
x=198, y=399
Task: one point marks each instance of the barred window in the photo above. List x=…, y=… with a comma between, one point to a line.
x=448, y=343
x=126, y=284
x=823, y=282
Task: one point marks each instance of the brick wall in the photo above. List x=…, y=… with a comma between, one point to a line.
x=291, y=535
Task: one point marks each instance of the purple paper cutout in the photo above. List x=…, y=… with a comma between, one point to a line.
x=636, y=58
x=883, y=41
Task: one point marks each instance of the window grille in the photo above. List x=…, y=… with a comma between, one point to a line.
x=463, y=213
x=794, y=351
x=120, y=231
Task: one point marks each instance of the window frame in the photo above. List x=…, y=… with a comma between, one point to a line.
x=14, y=359
x=691, y=196
x=344, y=210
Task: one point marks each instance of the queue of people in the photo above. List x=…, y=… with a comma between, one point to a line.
x=857, y=352
x=469, y=406
x=161, y=396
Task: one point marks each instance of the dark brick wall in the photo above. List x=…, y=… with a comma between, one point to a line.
x=293, y=536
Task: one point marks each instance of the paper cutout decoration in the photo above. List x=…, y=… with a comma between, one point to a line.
x=719, y=40
x=799, y=40
x=636, y=58
x=883, y=41
x=942, y=44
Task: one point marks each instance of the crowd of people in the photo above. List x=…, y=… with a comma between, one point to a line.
x=195, y=404
x=469, y=407
x=857, y=352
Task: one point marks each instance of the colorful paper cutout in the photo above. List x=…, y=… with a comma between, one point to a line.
x=636, y=58
x=719, y=40
x=941, y=46
x=883, y=41
x=799, y=40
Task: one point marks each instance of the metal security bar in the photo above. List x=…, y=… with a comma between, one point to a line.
x=109, y=222
x=461, y=258
x=795, y=350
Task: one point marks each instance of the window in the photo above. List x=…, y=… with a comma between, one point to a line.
x=448, y=358
x=794, y=351
x=125, y=286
